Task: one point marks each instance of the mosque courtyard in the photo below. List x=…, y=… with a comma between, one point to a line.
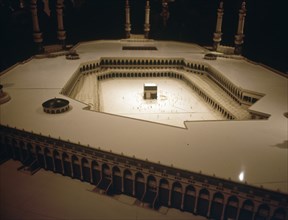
x=175, y=104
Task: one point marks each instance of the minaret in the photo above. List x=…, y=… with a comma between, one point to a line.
x=61, y=33
x=218, y=32
x=240, y=31
x=37, y=35
x=165, y=12
x=128, y=23
x=147, y=20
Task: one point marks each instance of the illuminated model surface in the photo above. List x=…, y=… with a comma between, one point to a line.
x=213, y=143
x=220, y=150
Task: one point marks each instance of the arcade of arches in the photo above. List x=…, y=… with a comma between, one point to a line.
x=209, y=84
x=149, y=183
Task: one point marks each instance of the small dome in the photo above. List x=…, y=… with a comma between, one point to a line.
x=210, y=56
x=56, y=105
x=72, y=55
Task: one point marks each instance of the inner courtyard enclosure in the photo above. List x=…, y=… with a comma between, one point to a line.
x=175, y=104
x=208, y=86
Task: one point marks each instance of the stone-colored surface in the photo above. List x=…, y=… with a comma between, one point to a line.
x=223, y=148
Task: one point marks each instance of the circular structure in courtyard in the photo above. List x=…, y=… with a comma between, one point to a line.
x=210, y=56
x=55, y=106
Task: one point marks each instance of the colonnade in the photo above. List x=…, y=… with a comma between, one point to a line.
x=235, y=92
x=147, y=186
x=160, y=67
x=209, y=100
x=135, y=74
x=170, y=74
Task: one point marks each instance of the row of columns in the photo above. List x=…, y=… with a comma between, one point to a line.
x=239, y=37
x=61, y=33
x=177, y=193
x=128, y=20
x=37, y=34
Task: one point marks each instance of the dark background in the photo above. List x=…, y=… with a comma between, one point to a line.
x=265, y=39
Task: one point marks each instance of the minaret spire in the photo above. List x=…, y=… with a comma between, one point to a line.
x=240, y=31
x=218, y=32
x=37, y=35
x=127, y=23
x=165, y=12
x=147, y=20
x=61, y=33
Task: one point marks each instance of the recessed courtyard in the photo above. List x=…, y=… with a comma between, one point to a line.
x=176, y=102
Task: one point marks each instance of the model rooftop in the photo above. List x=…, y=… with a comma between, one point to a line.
x=224, y=149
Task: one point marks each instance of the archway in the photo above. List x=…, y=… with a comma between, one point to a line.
x=66, y=165
x=128, y=182
x=189, y=199
x=106, y=179
x=117, y=180
x=262, y=212
x=57, y=162
x=76, y=167
x=31, y=156
x=217, y=206
x=203, y=202
x=96, y=175
x=246, y=212
x=40, y=156
x=231, y=207
x=85, y=170
x=163, y=194
x=176, y=195
x=48, y=159
x=151, y=190
x=139, y=185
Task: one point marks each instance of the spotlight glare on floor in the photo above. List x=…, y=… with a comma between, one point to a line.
x=241, y=176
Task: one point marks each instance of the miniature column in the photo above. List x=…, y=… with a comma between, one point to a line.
x=133, y=189
x=61, y=33
x=147, y=20
x=45, y=160
x=128, y=22
x=218, y=32
x=224, y=207
x=62, y=164
x=239, y=36
x=209, y=206
x=182, y=201
x=170, y=197
x=81, y=170
x=53, y=163
x=91, y=172
x=71, y=165
x=37, y=35
x=122, y=181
